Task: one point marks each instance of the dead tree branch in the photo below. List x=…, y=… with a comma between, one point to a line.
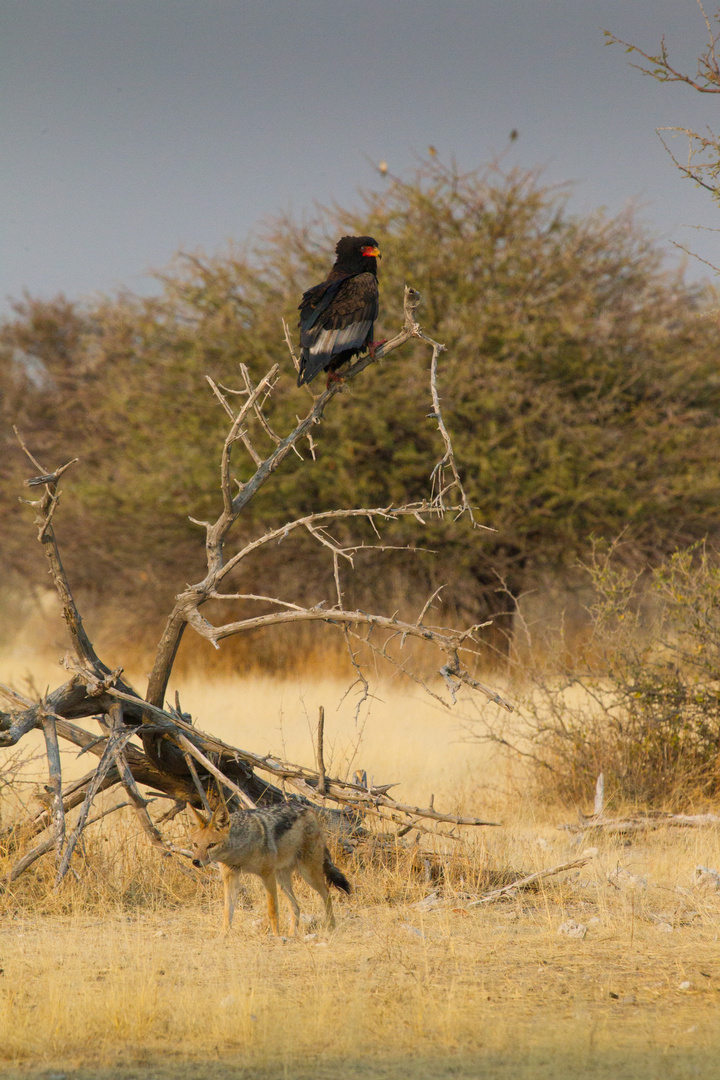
x=530, y=879
x=41, y=849
x=320, y=752
x=55, y=783
x=188, y=602
x=702, y=164
x=179, y=761
x=118, y=735
x=92, y=790
x=641, y=823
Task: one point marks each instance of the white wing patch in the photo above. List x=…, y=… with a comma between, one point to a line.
x=334, y=341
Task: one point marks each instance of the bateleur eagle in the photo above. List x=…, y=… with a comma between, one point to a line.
x=337, y=316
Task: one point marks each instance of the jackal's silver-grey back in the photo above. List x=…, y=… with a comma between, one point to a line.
x=272, y=842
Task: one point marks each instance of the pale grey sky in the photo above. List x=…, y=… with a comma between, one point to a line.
x=132, y=128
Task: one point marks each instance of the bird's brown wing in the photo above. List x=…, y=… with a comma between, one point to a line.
x=317, y=300
x=344, y=325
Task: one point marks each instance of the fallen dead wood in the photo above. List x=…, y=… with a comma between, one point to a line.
x=640, y=823
x=371, y=800
x=434, y=900
x=530, y=879
x=47, y=845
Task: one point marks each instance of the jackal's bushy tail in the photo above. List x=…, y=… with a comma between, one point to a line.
x=333, y=875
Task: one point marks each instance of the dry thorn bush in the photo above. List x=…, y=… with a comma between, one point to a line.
x=634, y=696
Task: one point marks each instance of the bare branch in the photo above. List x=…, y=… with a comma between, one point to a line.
x=258, y=406
x=529, y=879
x=291, y=348
x=238, y=433
x=641, y=823
x=254, y=596
x=694, y=170
x=310, y=522
x=428, y=604
x=55, y=783
x=216, y=534
x=221, y=397
x=196, y=780
x=45, y=509
x=93, y=787
x=118, y=734
x=705, y=81
x=46, y=845
x=440, y=487
x=448, y=641
x=185, y=743
x=322, y=782
x=303, y=779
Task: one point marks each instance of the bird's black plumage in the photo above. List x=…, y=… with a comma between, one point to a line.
x=337, y=316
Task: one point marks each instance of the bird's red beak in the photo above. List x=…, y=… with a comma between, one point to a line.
x=371, y=251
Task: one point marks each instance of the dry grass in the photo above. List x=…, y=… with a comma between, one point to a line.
x=456, y=984
x=125, y=972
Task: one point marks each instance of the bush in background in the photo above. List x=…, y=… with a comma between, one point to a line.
x=639, y=701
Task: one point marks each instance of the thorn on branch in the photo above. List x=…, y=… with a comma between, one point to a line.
x=221, y=397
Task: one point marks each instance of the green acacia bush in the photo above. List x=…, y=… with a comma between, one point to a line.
x=579, y=383
x=640, y=701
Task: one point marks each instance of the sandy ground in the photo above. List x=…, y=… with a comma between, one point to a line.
x=396, y=990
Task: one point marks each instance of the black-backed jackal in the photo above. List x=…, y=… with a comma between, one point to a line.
x=272, y=843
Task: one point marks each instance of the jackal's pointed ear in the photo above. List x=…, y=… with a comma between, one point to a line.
x=200, y=819
x=221, y=817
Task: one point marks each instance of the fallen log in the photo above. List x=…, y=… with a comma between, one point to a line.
x=640, y=823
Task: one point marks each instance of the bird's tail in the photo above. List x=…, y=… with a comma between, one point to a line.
x=305, y=374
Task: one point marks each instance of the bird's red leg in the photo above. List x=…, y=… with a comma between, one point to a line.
x=333, y=377
x=373, y=345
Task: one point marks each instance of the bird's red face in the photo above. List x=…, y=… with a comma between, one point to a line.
x=375, y=252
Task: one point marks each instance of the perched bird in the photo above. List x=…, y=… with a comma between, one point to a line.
x=337, y=316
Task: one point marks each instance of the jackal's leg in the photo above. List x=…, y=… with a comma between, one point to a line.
x=312, y=872
x=270, y=884
x=284, y=879
x=231, y=882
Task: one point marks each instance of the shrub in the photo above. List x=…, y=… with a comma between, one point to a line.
x=640, y=699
